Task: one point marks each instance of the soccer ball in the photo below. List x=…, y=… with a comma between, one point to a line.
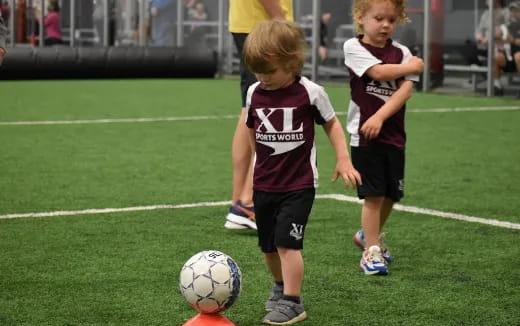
x=210, y=281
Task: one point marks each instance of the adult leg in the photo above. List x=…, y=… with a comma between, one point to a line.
x=516, y=58
x=241, y=151
x=241, y=212
x=242, y=163
x=500, y=63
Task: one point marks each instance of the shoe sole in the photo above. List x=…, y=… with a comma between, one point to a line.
x=240, y=220
x=233, y=226
x=296, y=319
x=367, y=272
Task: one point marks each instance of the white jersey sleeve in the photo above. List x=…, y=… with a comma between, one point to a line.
x=406, y=56
x=319, y=98
x=250, y=92
x=357, y=58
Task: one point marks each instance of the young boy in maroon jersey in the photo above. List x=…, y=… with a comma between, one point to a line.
x=282, y=108
x=381, y=83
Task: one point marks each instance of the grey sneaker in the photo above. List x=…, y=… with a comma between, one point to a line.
x=275, y=295
x=286, y=313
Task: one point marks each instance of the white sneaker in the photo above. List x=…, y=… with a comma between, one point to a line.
x=234, y=226
x=240, y=217
x=359, y=241
x=372, y=262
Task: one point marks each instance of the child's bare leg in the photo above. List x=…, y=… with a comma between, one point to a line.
x=292, y=270
x=272, y=260
x=371, y=219
x=386, y=209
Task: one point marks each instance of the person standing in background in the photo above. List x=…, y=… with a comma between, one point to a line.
x=514, y=37
x=481, y=37
x=243, y=16
x=3, y=36
x=98, y=16
x=324, y=34
x=163, y=22
x=196, y=12
x=52, y=24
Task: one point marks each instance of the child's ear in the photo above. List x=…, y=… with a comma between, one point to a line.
x=359, y=20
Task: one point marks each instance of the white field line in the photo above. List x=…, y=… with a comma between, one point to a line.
x=432, y=212
x=126, y=120
x=410, y=209
x=216, y=117
x=113, y=210
x=490, y=108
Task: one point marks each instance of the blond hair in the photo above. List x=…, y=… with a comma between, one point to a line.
x=360, y=8
x=273, y=44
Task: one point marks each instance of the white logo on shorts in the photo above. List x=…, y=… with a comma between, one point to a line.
x=297, y=231
x=401, y=185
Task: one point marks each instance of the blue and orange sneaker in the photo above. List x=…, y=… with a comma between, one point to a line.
x=372, y=262
x=241, y=217
x=359, y=241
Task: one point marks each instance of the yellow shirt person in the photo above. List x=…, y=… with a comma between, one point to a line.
x=245, y=14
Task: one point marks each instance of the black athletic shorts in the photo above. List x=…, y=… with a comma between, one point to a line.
x=247, y=78
x=281, y=218
x=382, y=170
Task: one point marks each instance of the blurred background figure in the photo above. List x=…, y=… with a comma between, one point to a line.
x=196, y=12
x=514, y=37
x=3, y=36
x=481, y=37
x=5, y=11
x=163, y=18
x=98, y=16
x=324, y=34
x=52, y=24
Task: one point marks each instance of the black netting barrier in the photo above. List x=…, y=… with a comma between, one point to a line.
x=113, y=62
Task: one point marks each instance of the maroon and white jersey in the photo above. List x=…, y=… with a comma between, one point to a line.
x=368, y=95
x=283, y=121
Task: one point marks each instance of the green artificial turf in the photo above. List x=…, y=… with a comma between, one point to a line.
x=122, y=268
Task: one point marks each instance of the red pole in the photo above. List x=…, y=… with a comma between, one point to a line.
x=437, y=35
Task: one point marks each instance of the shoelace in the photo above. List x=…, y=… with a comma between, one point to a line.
x=382, y=244
x=375, y=256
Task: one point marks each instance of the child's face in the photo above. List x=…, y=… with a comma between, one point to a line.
x=278, y=78
x=378, y=23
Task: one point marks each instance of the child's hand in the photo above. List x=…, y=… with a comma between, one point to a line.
x=349, y=174
x=372, y=127
x=416, y=64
